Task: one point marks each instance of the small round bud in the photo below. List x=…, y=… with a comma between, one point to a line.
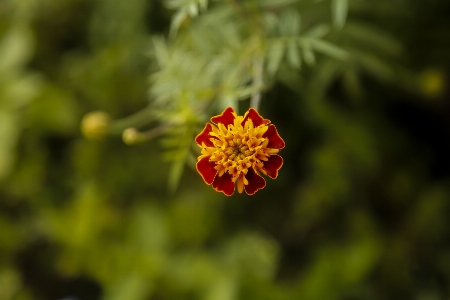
x=95, y=125
x=432, y=82
x=131, y=136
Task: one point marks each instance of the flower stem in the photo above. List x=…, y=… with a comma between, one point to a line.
x=257, y=81
x=157, y=131
x=140, y=118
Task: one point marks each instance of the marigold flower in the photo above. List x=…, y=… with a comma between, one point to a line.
x=235, y=149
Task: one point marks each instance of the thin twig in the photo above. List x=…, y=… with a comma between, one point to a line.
x=138, y=119
x=157, y=131
x=258, y=64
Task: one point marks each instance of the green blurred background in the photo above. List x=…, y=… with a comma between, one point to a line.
x=361, y=207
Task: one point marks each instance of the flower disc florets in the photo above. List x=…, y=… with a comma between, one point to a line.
x=236, y=149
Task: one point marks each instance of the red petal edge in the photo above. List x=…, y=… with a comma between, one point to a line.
x=206, y=169
x=227, y=117
x=275, y=141
x=224, y=184
x=255, y=182
x=203, y=137
x=273, y=165
x=255, y=117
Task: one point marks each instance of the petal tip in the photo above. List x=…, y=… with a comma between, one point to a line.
x=275, y=141
x=273, y=165
x=224, y=184
x=204, y=137
x=226, y=117
x=255, y=182
x=255, y=117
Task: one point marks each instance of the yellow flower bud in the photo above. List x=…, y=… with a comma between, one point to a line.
x=131, y=136
x=432, y=82
x=95, y=125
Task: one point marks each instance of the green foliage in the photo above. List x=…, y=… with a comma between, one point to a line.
x=360, y=208
x=339, y=10
x=17, y=88
x=185, y=9
x=213, y=62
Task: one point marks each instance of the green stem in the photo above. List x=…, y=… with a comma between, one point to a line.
x=157, y=131
x=258, y=68
x=138, y=119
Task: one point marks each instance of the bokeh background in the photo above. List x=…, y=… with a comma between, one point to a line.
x=357, y=89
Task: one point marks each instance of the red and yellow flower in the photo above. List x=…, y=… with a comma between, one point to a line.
x=236, y=149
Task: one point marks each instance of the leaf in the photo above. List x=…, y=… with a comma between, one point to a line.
x=289, y=23
x=318, y=32
x=274, y=56
x=293, y=54
x=373, y=37
x=308, y=54
x=178, y=144
x=329, y=49
x=176, y=170
x=177, y=19
x=270, y=22
x=339, y=10
x=184, y=8
x=16, y=48
x=161, y=52
x=193, y=10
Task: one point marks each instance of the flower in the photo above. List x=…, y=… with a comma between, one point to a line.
x=236, y=149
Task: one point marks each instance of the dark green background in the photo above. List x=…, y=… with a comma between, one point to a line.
x=361, y=208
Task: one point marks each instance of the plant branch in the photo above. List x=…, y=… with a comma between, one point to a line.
x=141, y=118
x=258, y=68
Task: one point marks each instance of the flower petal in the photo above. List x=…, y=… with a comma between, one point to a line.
x=255, y=117
x=275, y=141
x=203, y=137
x=206, y=169
x=255, y=182
x=226, y=118
x=272, y=165
x=224, y=184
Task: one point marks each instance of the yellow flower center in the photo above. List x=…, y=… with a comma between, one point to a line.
x=237, y=148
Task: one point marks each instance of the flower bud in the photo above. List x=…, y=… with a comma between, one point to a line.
x=131, y=136
x=95, y=125
x=432, y=82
